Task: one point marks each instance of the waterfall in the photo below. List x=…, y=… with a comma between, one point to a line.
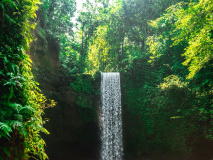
x=111, y=118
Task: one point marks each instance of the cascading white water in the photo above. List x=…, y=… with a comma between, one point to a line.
x=111, y=118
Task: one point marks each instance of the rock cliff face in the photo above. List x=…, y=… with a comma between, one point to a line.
x=71, y=137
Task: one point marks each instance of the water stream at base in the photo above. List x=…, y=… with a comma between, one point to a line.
x=111, y=117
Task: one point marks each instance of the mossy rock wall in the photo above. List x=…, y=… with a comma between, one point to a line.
x=74, y=131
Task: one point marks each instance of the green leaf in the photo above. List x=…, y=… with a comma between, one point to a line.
x=5, y=128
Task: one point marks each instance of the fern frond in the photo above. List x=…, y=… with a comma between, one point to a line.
x=15, y=124
x=19, y=117
x=6, y=129
x=16, y=107
x=27, y=109
x=9, y=18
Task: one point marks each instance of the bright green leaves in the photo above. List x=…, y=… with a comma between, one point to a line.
x=183, y=38
x=157, y=46
x=55, y=17
x=55, y=24
x=6, y=130
x=195, y=25
x=21, y=104
x=172, y=81
x=190, y=23
x=15, y=119
x=99, y=52
x=162, y=107
x=69, y=56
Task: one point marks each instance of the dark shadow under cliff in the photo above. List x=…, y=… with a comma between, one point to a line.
x=71, y=136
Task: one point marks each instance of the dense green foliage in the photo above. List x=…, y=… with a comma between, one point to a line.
x=189, y=23
x=87, y=89
x=21, y=104
x=163, y=50
x=55, y=25
x=54, y=17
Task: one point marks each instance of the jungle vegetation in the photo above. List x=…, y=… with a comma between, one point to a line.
x=162, y=48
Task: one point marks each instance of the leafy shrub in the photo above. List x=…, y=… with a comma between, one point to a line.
x=21, y=104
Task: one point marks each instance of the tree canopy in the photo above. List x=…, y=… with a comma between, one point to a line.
x=162, y=48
